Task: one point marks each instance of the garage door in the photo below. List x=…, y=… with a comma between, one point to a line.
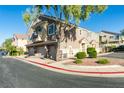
x=52, y=52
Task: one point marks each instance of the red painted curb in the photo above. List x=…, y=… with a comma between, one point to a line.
x=71, y=70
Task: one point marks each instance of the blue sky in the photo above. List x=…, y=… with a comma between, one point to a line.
x=11, y=20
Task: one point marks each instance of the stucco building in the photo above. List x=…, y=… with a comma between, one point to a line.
x=55, y=39
x=108, y=39
x=20, y=41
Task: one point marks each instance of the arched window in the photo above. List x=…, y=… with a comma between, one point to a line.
x=38, y=29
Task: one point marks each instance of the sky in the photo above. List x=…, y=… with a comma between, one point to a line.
x=11, y=20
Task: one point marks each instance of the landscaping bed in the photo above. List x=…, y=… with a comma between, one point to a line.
x=94, y=62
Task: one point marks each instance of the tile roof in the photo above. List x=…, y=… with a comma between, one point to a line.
x=110, y=32
x=21, y=36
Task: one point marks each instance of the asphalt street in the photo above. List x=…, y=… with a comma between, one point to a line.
x=115, y=55
x=17, y=74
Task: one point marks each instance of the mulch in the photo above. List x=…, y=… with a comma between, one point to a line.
x=93, y=62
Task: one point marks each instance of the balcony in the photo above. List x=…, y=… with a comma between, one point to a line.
x=113, y=40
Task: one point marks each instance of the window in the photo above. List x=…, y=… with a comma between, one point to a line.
x=104, y=35
x=38, y=29
x=111, y=37
x=34, y=35
x=51, y=29
x=117, y=37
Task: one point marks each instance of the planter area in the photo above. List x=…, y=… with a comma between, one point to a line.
x=94, y=62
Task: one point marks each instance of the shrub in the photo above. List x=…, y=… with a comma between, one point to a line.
x=92, y=52
x=13, y=53
x=78, y=61
x=90, y=49
x=81, y=55
x=113, y=46
x=20, y=51
x=102, y=61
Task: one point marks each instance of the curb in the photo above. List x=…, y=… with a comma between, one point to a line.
x=76, y=71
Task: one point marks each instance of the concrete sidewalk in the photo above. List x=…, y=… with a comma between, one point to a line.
x=110, y=70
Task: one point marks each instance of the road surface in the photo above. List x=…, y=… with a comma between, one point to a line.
x=119, y=55
x=14, y=73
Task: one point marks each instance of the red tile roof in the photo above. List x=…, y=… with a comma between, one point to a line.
x=21, y=36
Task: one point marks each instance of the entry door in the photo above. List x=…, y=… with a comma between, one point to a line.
x=70, y=51
x=83, y=47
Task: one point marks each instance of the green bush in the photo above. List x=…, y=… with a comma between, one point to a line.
x=92, y=52
x=81, y=55
x=78, y=61
x=13, y=53
x=102, y=61
x=90, y=49
x=16, y=51
x=20, y=51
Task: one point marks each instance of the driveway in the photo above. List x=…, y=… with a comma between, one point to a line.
x=15, y=73
x=119, y=55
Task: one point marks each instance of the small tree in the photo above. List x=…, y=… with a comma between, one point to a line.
x=13, y=50
x=7, y=44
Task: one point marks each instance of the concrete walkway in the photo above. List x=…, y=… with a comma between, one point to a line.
x=104, y=71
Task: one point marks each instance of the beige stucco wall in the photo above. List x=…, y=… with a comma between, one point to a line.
x=71, y=47
x=42, y=36
x=106, y=36
x=108, y=41
x=20, y=43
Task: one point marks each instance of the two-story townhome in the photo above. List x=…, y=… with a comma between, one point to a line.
x=108, y=39
x=54, y=38
x=20, y=40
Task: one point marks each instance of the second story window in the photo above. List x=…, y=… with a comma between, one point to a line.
x=38, y=29
x=117, y=37
x=111, y=37
x=51, y=29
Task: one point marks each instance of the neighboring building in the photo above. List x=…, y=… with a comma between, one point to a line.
x=108, y=39
x=20, y=40
x=57, y=40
